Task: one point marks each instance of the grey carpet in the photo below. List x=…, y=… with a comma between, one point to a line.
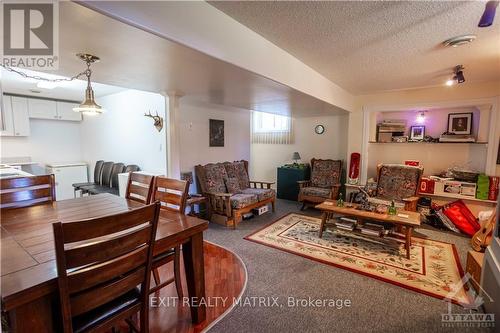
x=376, y=306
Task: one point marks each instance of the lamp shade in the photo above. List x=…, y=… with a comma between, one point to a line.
x=296, y=156
x=89, y=106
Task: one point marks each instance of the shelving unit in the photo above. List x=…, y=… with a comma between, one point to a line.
x=432, y=143
x=453, y=196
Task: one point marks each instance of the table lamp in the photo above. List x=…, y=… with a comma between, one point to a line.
x=296, y=157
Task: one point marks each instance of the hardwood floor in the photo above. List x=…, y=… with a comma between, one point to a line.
x=224, y=278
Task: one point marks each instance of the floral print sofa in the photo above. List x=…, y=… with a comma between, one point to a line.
x=230, y=191
x=324, y=183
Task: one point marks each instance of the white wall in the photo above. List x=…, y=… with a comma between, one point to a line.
x=123, y=134
x=49, y=141
x=265, y=158
x=194, y=135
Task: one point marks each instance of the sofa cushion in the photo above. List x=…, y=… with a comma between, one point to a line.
x=243, y=200
x=315, y=192
x=215, y=175
x=325, y=173
x=261, y=193
x=232, y=185
x=237, y=170
x=397, y=182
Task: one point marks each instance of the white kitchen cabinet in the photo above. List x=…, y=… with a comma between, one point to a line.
x=65, y=111
x=15, y=117
x=20, y=116
x=7, y=128
x=66, y=174
x=42, y=108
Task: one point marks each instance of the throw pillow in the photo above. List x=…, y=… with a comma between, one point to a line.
x=232, y=185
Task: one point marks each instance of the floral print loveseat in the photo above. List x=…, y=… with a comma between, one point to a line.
x=230, y=191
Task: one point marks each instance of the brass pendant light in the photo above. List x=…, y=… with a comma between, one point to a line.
x=89, y=105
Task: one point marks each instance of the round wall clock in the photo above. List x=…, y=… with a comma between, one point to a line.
x=319, y=129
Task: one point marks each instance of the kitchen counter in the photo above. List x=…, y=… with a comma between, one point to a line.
x=10, y=172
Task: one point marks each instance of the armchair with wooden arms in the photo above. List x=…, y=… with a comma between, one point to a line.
x=398, y=183
x=230, y=193
x=324, y=183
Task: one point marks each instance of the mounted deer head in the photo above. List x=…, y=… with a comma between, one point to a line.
x=158, y=121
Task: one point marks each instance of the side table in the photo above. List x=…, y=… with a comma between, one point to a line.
x=199, y=200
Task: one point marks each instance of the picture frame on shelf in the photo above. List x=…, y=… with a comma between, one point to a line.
x=417, y=133
x=460, y=123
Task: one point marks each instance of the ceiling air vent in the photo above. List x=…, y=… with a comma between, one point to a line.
x=459, y=40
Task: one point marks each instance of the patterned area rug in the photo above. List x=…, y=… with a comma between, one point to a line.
x=433, y=268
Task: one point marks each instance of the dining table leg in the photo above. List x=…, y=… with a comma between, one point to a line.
x=195, y=276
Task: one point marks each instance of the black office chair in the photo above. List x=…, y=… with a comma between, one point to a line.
x=97, y=177
x=132, y=168
x=104, y=180
x=112, y=187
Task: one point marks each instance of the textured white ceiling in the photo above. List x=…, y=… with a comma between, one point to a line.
x=371, y=46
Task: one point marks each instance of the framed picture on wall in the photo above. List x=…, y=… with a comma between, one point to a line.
x=417, y=133
x=460, y=123
x=216, y=133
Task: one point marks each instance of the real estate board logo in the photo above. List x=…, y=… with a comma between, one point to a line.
x=472, y=315
x=30, y=34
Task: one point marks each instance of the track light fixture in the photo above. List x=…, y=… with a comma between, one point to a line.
x=458, y=76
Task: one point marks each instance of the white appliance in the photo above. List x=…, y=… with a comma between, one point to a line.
x=66, y=174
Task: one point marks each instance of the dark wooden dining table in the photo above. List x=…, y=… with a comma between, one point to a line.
x=28, y=267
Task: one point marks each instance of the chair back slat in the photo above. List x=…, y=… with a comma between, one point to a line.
x=101, y=259
x=86, y=301
x=27, y=191
x=169, y=197
x=83, y=230
x=140, y=187
x=107, y=249
x=25, y=195
x=86, y=278
x=172, y=193
x=137, y=192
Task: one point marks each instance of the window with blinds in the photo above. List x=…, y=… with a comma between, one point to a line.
x=271, y=128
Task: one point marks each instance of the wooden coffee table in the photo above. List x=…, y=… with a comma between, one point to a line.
x=403, y=218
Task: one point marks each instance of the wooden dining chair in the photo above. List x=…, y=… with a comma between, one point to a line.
x=100, y=263
x=172, y=195
x=27, y=191
x=139, y=187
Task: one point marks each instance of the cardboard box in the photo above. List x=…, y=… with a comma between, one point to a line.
x=455, y=187
x=261, y=210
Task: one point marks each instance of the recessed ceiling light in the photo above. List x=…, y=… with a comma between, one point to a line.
x=459, y=40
